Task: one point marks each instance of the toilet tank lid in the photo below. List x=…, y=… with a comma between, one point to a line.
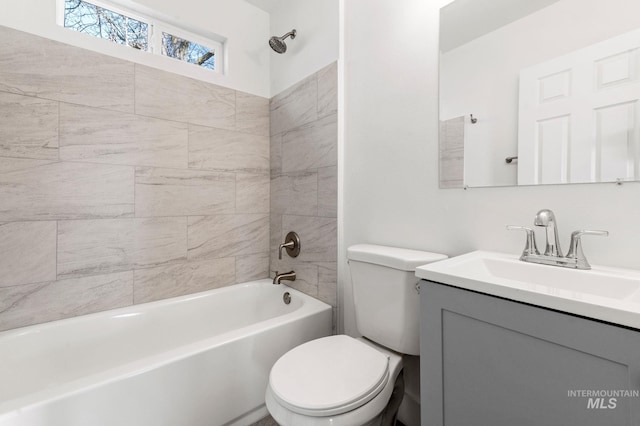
x=392, y=257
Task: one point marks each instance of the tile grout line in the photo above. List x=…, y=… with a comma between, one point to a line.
x=235, y=269
x=105, y=218
x=187, y=217
x=135, y=184
x=133, y=288
x=59, y=144
x=235, y=193
x=191, y=169
x=135, y=84
x=57, y=237
x=317, y=95
x=317, y=192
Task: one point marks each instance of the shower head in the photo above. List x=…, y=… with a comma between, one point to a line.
x=277, y=43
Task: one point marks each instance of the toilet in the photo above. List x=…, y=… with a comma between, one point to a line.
x=341, y=380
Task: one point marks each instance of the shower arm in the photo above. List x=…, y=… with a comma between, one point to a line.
x=291, y=34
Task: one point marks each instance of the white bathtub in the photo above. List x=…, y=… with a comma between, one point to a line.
x=195, y=360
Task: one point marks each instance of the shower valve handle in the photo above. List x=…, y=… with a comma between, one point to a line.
x=292, y=244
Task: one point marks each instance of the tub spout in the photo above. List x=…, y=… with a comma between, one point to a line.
x=288, y=276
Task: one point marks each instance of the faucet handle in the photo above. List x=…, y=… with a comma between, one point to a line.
x=578, y=234
x=575, y=246
x=530, y=246
x=292, y=244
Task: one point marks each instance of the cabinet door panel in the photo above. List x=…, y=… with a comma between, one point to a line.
x=490, y=361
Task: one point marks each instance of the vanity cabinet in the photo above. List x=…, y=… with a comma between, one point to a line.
x=488, y=361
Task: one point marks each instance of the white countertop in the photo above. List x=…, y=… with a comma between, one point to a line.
x=602, y=293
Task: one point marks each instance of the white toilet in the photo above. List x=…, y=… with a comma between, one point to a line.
x=341, y=380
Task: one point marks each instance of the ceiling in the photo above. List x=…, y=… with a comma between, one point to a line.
x=464, y=20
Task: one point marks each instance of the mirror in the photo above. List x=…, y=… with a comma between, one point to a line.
x=539, y=92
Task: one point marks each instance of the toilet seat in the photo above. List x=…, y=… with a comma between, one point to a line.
x=329, y=376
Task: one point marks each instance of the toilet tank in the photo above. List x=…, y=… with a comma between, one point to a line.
x=385, y=294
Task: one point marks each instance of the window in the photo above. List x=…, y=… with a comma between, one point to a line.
x=104, y=23
x=188, y=51
x=109, y=22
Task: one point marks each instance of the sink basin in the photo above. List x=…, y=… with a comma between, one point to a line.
x=607, y=294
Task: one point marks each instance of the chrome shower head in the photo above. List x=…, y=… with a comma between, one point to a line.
x=277, y=43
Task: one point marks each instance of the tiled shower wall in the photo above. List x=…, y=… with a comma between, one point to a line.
x=122, y=184
x=304, y=182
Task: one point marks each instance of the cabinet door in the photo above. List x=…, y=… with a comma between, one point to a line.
x=488, y=361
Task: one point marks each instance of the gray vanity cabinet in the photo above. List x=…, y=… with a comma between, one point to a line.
x=487, y=361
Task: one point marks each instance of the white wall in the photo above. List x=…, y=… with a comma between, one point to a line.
x=315, y=46
x=245, y=27
x=391, y=193
x=472, y=84
x=389, y=167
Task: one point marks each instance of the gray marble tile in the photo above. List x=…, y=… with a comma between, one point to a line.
x=28, y=127
x=28, y=252
x=99, y=136
x=252, y=193
x=252, y=267
x=89, y=247
x=184, y=278
x=451, y=153
x=37, y=303
x=252, y=114
x=318, y=237
x=219, y=149
x=328, y=293
x=228, y=235
x=328, y=90
x=11, y=165
x=451, y=168
x=306, y=273
x=275, y=232
x=174, y=192
x=311, y=146
x=452, y=134
x=451, y=184
x=442, y=134
x=327, y=192
x=295, y=106
x=36, y=190
x=295, y=193
x=163, y=94
x=328, y=282
x=36, y=66
x=276, y=155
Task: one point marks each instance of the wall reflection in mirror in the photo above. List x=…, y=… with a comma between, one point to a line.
x=539, y=92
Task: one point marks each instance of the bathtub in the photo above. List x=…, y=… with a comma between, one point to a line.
x=195, y=360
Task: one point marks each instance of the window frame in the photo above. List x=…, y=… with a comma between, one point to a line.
x=157, y=24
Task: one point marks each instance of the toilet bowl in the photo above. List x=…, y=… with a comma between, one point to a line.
x=342, y=380
x=335, y=380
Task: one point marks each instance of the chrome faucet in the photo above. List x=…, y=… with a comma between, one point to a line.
x=547, y=219
x=575, y=257
x=288, y=276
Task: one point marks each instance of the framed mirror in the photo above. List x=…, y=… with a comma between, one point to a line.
x=539, y=92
